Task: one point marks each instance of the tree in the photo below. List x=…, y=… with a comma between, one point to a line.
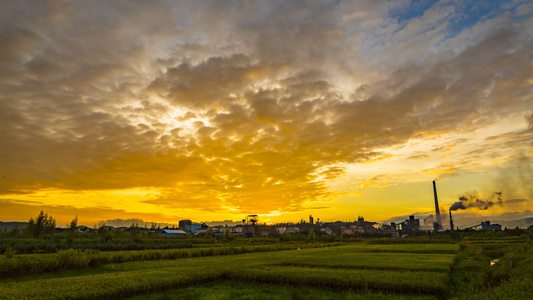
x=44, y=224
x=15, y=232
x=30, y=228
x=74, y=224
x=311, y=237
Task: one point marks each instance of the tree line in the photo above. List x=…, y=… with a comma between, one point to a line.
x=46, y=225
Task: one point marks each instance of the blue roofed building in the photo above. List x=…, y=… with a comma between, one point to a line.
x=172, y=232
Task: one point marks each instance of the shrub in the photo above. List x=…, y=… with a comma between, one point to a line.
x=73, y=259
x=9, y=253
x=106, y=237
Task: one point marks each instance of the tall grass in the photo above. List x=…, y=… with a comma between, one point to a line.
x=511, y=282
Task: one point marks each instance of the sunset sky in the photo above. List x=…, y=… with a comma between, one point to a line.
x=213, y=110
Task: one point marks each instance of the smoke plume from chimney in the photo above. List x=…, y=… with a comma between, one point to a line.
x=471, y=200
x=431, y=218
x=529, y=120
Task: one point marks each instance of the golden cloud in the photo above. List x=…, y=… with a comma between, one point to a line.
x=252, y=115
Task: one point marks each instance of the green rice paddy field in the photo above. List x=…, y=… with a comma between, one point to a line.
x=358, y=271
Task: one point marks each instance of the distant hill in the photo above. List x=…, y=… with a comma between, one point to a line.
x=522, y=223
x=12, y=225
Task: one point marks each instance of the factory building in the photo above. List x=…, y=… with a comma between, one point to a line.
x=410, y=224
x=491, y=227
x=185, y=225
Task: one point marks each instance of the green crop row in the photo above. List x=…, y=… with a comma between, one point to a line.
x=149, y=271
x=231, y=289
x=353, y=256
x=26, y=246
x=416, y=248
x=109, y=285
x=409, y=270
x=415, y=240
x=378, y=261
x=80, y=259
x=403, y=282
x=404, y=248
x=122, y=280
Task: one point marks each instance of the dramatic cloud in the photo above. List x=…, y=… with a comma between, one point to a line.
x=255, y=107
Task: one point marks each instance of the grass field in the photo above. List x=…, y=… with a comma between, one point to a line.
x=353, y=271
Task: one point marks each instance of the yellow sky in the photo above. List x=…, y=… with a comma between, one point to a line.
x=211, y=111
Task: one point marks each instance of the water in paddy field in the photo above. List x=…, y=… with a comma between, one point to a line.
x=492, y=262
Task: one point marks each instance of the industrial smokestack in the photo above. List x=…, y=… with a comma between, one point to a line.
x=451, y=221
x=437, y=212
x=412, y=222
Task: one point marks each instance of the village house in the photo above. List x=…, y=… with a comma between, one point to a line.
x=292, y=230
x=326, y=230
x=172, y=232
